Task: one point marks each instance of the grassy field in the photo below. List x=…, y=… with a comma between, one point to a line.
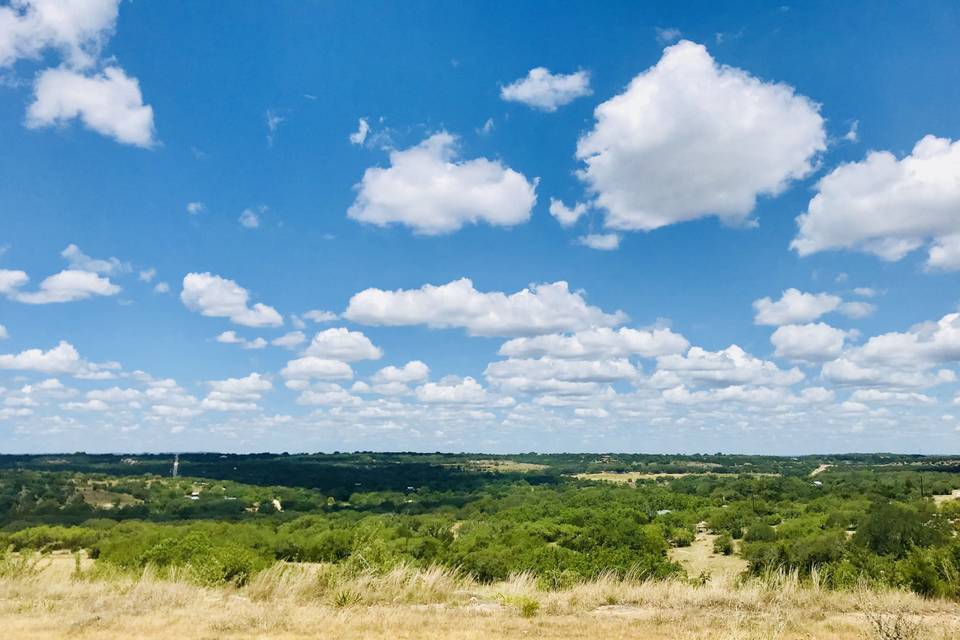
x=627, y=477
x=296, y=601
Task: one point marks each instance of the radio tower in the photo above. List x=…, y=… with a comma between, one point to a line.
x=176, y=464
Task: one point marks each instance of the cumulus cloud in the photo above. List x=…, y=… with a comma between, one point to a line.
x=236, y=394
x=77, y=28
x=196, y=208
x=566, y=216
x=600, y=241
x=428, y=189
x=730, y=366
x=68, y=286
x=809, y=342
x=889, y=207
x=413, y=371
x=466, y=391
x=799, y=307
x=64, y=358
x=250, y=217
x=690, y=138
x=546, y=91
x=109, y=103
x=3, y=333
x=11, y=280
x=541, y=308
x=318, y=368
x=319, y=316
x=598, y=344
x=517, y=373
x=343, y=344
x=218, y=297
x=231, y=337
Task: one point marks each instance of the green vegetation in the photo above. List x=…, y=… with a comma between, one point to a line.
x=868, y=518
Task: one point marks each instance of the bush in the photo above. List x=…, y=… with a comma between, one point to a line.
x=723, y=544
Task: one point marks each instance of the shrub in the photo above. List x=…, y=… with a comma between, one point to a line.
x=723, y=544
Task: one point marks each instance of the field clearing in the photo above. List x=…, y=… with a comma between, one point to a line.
x=953, y=495
x=700, y=558
x=627, y=477
x=504, y=466
x=290, y=601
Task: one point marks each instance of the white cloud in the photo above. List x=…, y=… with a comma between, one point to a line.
x=542, y=308
x=343, y=344
x=320, y=316
x=147, y=275
x=844, y=371
x=273, y=123
x=413, y=371
x=250, y=218
x=566, y=216
x=231, y=337
x=196, y=208
x=360, y=136
x=63, y=358
x=690, y=138
x=80, y=261
x=543, y=90
x=68, y=286
x=793, y=307
x=865, y=292
x=289, y=340
x=218, y=297
x=889, y=207
x=319, y=368
x=236, y=394
x=600, y=241
x=730, y=366
x=109, y=103
x=509, y=372
x=427, y=189
x=11, y=280
x=3, y=333
x=809, y=342
x=466, y=391
x=77, y=28
x=162, y=287
x=598, y=344
x=924, y=346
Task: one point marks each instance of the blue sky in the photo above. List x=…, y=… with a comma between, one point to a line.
x=772, y=196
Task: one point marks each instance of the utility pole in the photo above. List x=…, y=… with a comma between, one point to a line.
x=176, y=465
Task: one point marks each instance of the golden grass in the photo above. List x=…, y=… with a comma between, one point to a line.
x=631, y=476
x=320, y=601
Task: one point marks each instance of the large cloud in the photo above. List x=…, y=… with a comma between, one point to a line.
x=427, y=189
x=890, y=207
x=690, y=138
x=109, y=103
x=63, y=358
x=219, y=297
x=542, y=308
x=543, y=90
x=77, y=28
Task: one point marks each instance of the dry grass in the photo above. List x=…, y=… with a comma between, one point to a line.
x=504, y=466
x=631, y=476
x=699, y=558
x=318, y=601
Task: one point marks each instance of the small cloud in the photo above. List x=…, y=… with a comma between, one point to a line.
x=486, y=128
x=600, y=241
x=250, y=218
x=853, y=134
x=196, y=208
x=668, y=35
x=360, y=135
x=162, y=287
x=320, y=316
x=273, y=123
x=147, y=275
